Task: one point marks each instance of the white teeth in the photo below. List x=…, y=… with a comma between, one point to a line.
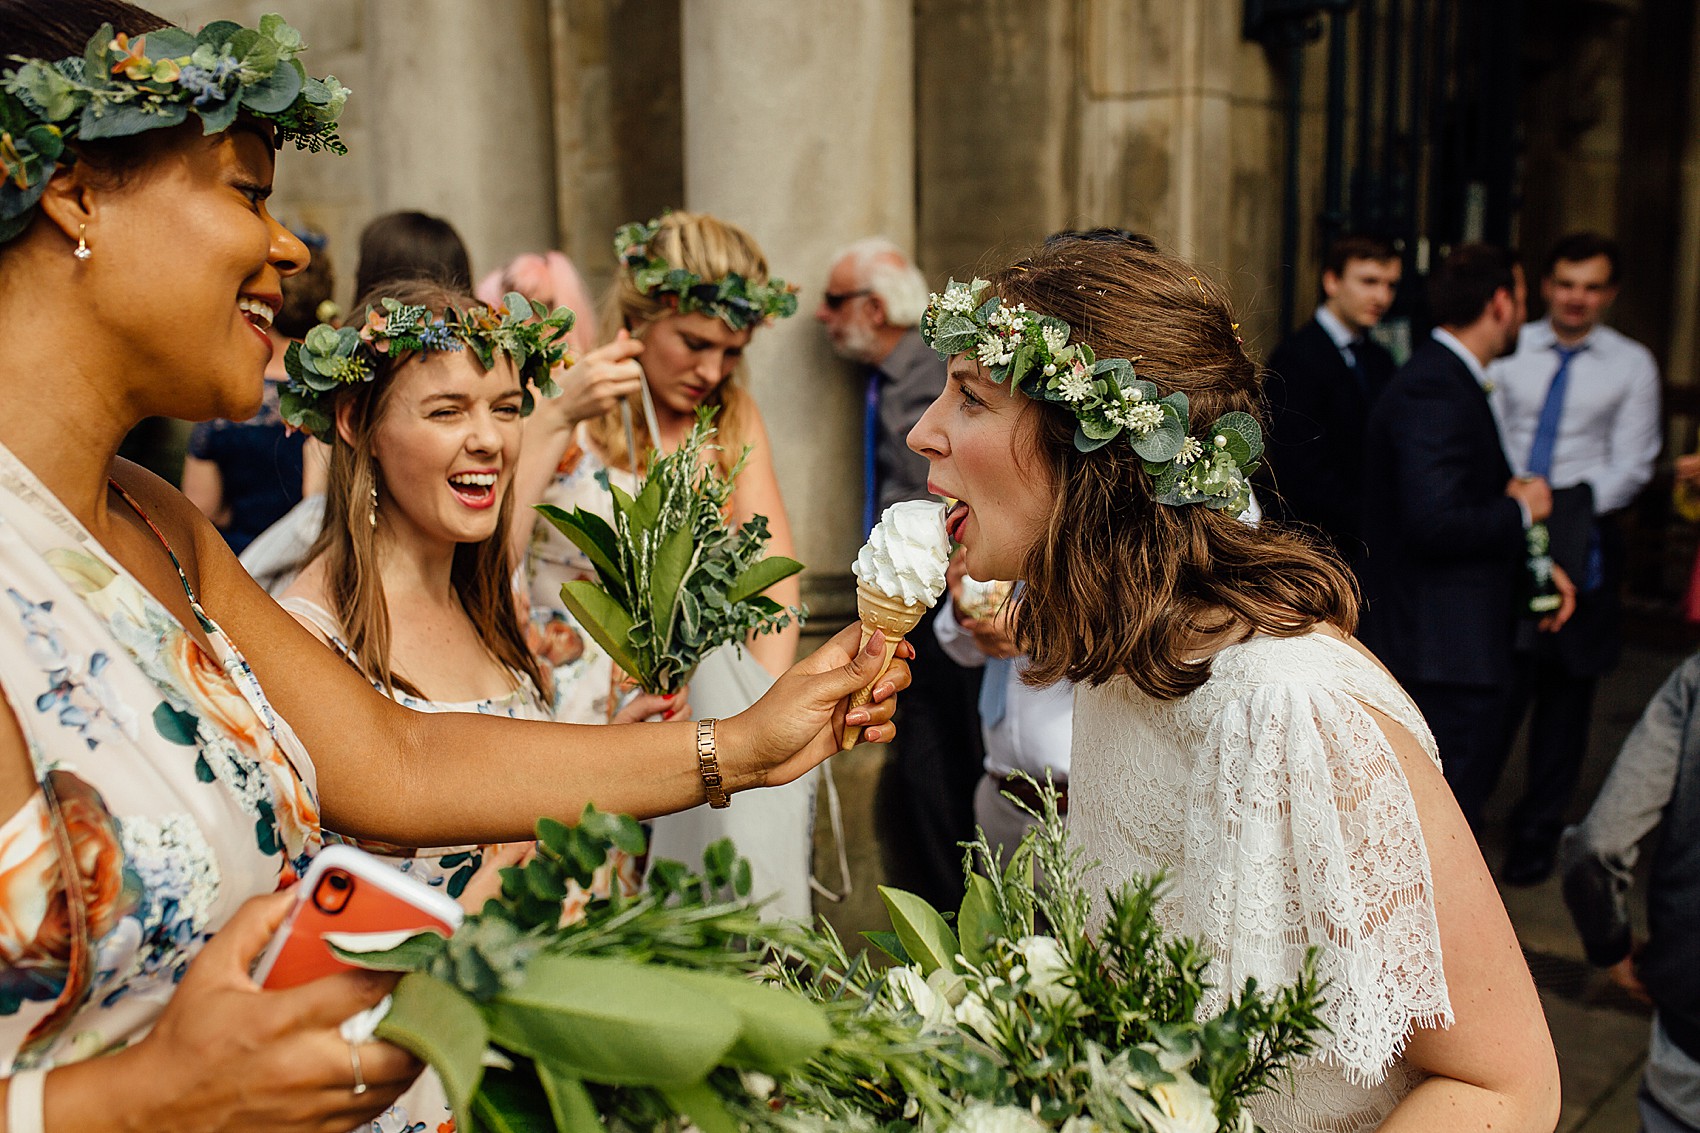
x=262, y=313
x=474, y=479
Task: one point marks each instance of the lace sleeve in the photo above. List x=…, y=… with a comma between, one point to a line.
x=1302, y=832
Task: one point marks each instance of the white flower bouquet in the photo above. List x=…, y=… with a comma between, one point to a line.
x=1043, y=1025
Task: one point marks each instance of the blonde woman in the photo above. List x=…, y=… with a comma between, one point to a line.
x=691, y=292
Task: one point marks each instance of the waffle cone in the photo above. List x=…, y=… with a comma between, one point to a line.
x=894, y=617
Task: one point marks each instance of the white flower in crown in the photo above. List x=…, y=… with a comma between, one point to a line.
x=1190, y=451
x=1055, y=338
x=1009, y=319
x=1141, y=416
x=958, y=299
x=989, y=352
x=1076, y=385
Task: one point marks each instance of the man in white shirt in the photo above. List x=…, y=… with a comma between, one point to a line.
x=1577, y=404
x=1026, y=730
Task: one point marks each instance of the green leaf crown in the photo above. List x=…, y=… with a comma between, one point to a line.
x=732, y=299
x=330, y=358
x=120, y=87
x=1033, y=353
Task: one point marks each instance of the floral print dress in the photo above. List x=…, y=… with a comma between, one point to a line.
x=446, y=867
x=167, y=785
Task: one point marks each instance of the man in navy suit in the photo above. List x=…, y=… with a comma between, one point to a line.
x=1321, y=382
x=1444, y=520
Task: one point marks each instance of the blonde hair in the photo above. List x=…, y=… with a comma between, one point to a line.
x=482, y=572
x=712, y=248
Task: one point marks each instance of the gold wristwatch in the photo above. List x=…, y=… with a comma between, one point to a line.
x=708, y=766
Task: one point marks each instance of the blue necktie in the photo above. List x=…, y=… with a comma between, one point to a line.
x=994, y=690
x=1546, y=441
x=870, y=453
x=1552, y=412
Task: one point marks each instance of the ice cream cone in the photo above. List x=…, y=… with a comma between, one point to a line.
x=894, y=617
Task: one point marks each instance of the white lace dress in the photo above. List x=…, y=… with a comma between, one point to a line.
x=1279, y=813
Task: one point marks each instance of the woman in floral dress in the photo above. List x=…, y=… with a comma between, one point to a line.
x=140, y=745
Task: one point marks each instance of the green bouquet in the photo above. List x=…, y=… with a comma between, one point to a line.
x=674, y=578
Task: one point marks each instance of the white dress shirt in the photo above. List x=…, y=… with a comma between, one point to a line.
x=1038, y=723
x=1608, y=434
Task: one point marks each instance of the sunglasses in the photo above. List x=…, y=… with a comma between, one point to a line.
x=837, y=299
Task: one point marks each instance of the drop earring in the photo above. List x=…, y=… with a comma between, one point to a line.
x=83, y=252
x=372, y=515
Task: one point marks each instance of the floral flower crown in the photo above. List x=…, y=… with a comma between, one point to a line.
x=121, y=86
x=1033, y=353
x=330, y=358
x=732, y=299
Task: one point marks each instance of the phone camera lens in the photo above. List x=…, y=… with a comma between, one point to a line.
x=337, y=880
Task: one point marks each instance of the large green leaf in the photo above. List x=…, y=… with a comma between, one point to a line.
x=978, y=921
x=759, y=576
x=591, y=534
x=702, y=1106
x=605, y=619
x=888, y=943
x=780, y=1030
x=614, y=1022
x=569, y=1101
x=667, y=576
x=925, y=936
x=440, y=1026
x=646, y=509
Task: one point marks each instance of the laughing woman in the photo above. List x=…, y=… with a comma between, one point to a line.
x=171, y=736
x=1098, y=431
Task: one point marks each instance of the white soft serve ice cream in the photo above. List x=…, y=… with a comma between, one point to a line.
x=906, y=555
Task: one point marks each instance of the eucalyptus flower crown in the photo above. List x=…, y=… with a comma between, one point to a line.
x=331, y=358
x=1109, y=401
x=120, y=87
x=732, y=299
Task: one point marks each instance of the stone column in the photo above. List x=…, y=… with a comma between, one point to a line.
x=799, y=127
x=1181, y=130
x=459, y=102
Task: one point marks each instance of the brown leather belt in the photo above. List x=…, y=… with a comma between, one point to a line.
x=1024, y=790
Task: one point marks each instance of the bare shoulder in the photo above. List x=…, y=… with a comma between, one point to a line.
x=190, y=535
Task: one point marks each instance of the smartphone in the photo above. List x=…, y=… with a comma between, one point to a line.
x=348, y=892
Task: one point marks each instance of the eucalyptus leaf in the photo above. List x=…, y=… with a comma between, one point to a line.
x=925, y=935
x=1162, y=443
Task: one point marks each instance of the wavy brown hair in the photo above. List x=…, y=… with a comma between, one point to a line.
x=482, y=572
x=711, y=248
x=1118, y=583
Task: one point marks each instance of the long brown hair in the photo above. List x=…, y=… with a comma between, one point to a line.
x=712, y=248
x=482, y=572
x=1118, y=583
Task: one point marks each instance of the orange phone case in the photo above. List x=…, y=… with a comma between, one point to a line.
x=348, y=891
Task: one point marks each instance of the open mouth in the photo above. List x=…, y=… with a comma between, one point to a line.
x=474, y=489
x=259, y=312
x=954, y=519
